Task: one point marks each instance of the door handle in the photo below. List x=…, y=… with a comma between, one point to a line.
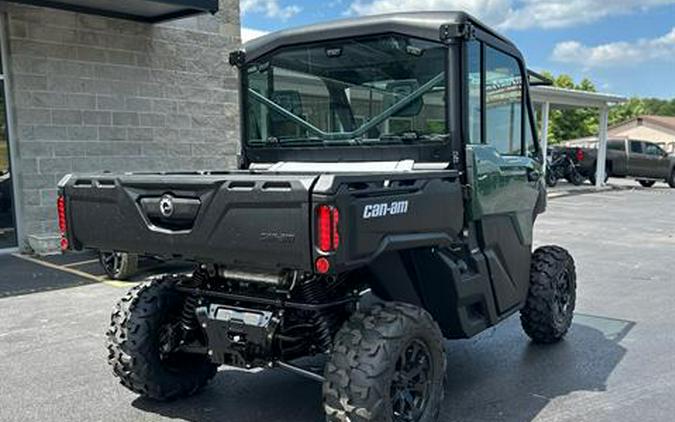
x=533, y=175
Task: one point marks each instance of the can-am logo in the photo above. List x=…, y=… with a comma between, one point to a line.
x=381, y=210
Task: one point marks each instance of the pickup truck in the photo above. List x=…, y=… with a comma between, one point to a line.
x=644, y=161
x=358, y=180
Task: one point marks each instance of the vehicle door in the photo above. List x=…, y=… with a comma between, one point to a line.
x=616, y=157
x=638, y=161
x=503, y=165
x=659, y=164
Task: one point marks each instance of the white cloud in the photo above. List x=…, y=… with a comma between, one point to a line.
x=566, y=13
x=248, y=34
x=271, y=8
x=490, y=11
x=516, y=14
x=616, y=53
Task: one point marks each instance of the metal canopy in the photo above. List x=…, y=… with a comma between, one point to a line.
x=572, y=97
x=149, y=11
x=549, y=96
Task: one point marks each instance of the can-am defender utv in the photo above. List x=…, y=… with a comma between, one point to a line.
x=393, y=156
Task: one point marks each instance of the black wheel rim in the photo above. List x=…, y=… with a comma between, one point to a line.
x=564, y=298
x=112, y=262
x=411, y=383
x=169, y=338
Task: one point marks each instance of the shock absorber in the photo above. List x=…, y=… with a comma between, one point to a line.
x=188, y=316
x=316, y=291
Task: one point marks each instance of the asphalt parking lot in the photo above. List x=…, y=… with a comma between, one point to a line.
x=616, y=364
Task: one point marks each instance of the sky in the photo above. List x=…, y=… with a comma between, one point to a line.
x=625, y=47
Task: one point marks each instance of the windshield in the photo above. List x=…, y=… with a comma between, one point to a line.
x=384, y=89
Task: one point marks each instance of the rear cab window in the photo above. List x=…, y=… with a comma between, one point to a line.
x=636, y=147
x=616, y=146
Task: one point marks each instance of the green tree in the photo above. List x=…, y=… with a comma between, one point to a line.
x=626, y=111
x=572, y=123
x=565, y=124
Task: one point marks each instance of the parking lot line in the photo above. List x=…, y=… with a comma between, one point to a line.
x=77, y=264
x=68, y=268
x=61, y=267
x=119, y=283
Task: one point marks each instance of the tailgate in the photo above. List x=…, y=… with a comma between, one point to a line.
x=230, y=218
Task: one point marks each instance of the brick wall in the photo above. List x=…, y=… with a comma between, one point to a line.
x=94, y=94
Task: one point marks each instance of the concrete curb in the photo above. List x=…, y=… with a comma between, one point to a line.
x=587, y=190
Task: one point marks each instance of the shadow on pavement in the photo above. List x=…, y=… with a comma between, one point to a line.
x=19, y=277
x=498, y=375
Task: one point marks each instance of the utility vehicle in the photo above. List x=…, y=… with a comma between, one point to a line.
x=389, y=157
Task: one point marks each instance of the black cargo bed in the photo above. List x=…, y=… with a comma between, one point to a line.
x=230, y=218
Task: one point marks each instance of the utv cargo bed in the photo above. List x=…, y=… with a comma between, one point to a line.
x=237, y=218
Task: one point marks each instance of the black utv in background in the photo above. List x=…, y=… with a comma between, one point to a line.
x=392, y=157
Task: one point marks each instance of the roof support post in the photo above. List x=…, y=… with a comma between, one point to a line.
x=545, y=109
x=602, y=147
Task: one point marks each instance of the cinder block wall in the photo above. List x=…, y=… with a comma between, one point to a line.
x=93, y=94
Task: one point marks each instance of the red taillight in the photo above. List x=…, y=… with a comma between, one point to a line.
x=580, y=154
x=327, y=236
x=61, y=209
x=322, y=265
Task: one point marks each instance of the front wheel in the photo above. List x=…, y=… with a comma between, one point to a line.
x=549, y=308
x=141, y=340
x=671, y=180
x=551, y=179
x=646, y=183
x=387, y=365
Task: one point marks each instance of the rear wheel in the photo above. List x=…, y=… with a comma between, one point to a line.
x=387, y=365
x=646, y=183
x=592, y=179
x=575, y=177
x=141, y=340
x=671, y=180
x=548, y=311
x=118, y=265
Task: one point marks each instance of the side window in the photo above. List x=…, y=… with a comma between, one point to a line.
x=503, y=102
x=474, y=83
x=636, y=147
x=652, y=149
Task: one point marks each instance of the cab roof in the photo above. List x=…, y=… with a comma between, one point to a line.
x=424, y=25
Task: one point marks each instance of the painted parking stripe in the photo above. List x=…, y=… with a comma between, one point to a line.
x=77, y=264
x=98, y=279
x=60, y=267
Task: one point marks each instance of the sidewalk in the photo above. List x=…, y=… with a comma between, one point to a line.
x=568, y=189
x=564, y=189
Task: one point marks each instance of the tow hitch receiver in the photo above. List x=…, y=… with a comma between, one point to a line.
x=237, y=336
